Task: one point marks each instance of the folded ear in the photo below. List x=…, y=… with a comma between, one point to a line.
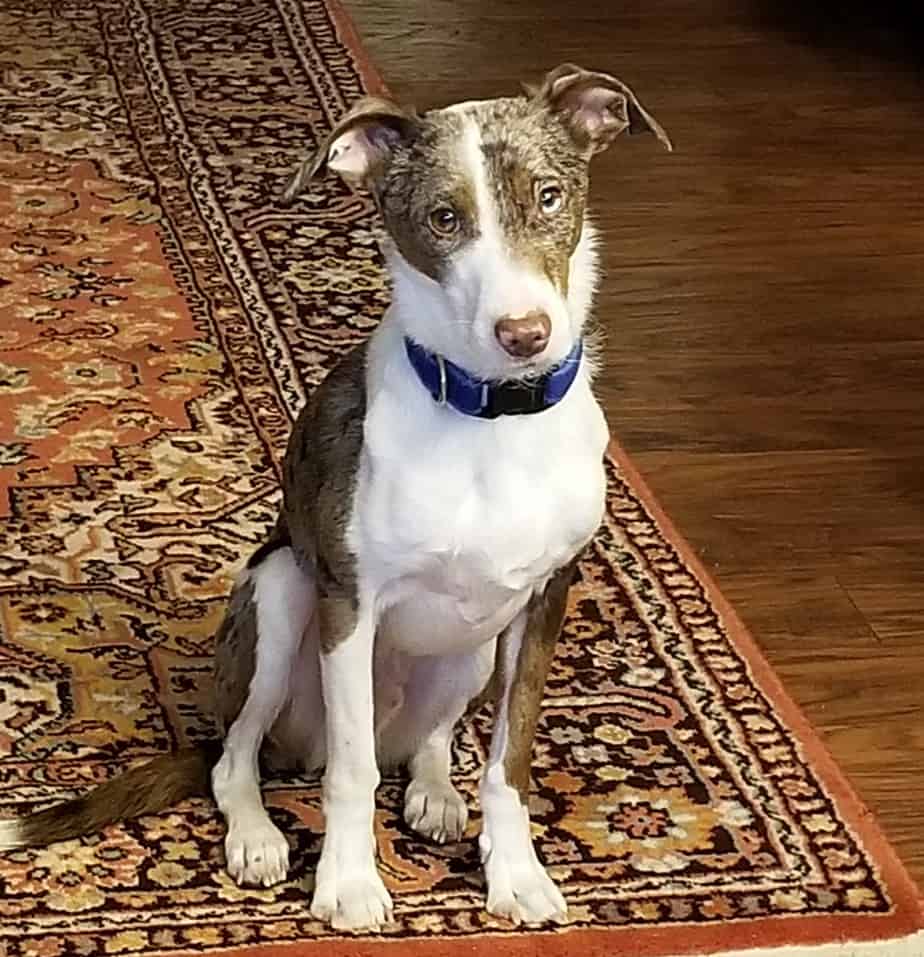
x=358, y=147
x=597, y=106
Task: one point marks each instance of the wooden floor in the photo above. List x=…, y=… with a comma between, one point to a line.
x=764, y=306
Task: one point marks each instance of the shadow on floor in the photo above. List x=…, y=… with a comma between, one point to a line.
x=888, y=29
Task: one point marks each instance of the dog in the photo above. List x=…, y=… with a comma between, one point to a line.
x=438, y=488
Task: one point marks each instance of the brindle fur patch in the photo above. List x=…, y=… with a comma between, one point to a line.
x=337, y=616
x=425, y=173
x=525, y=147
x=319, y=481
x=235, y=656
x=546, y=613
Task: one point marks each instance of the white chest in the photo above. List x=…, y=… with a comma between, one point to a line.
x=458, y=520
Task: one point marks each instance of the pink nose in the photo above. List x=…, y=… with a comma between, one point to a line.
x=524, y=336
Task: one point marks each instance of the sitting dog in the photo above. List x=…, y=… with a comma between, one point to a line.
x=438, y=488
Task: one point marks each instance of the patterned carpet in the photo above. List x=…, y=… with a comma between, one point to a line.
x=162, y=320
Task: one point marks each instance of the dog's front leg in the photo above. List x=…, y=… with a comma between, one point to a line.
x=348, y=890
x=518, y=886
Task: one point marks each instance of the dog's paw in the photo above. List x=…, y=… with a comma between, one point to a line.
x=257, y=853
x=519, y=888
x=353, y=901
x=436, y=810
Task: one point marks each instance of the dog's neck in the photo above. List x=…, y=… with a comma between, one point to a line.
x=419, y=309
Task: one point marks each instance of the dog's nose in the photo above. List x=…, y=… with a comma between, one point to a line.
x=524, y=336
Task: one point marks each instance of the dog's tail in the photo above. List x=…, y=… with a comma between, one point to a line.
x=146, y=789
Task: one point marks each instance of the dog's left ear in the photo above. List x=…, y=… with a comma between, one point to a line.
x=358, y=147
x=597, y=106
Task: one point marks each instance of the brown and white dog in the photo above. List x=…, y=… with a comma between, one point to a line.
x=438, y=487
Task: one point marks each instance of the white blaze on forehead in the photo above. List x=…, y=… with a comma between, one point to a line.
x=476, y=168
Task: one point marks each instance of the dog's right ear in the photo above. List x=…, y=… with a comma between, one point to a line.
x=358, y=148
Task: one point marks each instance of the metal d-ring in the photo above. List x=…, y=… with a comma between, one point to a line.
x=442, y=367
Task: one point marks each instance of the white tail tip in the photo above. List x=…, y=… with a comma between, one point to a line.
x=11, y=834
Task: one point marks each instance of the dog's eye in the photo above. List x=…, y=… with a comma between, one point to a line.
x=550, y=198
x=444, y=220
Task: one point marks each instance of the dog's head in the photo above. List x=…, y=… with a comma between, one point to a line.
x=484, y=204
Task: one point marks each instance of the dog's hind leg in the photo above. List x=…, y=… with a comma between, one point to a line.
x=438, y=693
x=270, y=611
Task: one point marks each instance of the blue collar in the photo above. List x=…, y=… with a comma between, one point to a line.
x=453, y=386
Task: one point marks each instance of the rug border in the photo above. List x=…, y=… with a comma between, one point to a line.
x=372, y=81
x=536, y=945
x=854, y=810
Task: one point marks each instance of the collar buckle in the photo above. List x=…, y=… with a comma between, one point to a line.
x=516, y=398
